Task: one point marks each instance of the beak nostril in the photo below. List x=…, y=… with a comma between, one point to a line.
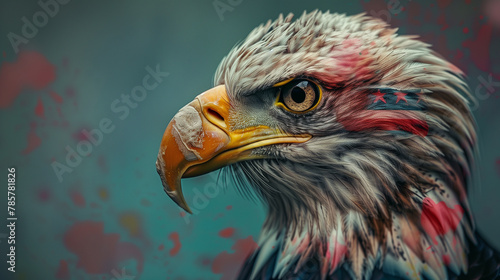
x=215, y=116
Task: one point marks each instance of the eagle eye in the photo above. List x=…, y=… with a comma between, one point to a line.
x=299, y=96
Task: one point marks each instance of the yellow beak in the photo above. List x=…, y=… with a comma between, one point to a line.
x=199, y=139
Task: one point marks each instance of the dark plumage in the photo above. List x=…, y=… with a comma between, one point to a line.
x=375, y=184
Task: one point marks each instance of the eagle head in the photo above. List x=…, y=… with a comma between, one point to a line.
x=358, y=141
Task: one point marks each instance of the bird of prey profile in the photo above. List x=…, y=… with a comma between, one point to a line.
x=360, y=143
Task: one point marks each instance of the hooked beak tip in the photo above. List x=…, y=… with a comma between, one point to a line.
x=178, y=198
x=173, y=193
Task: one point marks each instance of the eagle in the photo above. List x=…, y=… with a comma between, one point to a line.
x=360, y=143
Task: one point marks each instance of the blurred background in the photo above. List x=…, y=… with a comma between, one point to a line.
x=89, y=203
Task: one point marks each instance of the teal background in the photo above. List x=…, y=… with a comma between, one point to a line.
x=100, y=50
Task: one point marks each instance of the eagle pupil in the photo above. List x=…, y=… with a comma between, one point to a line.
x=298, y=95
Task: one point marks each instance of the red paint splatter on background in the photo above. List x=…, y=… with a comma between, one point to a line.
x=466, y=30
x=229, y=207
x=174, y=236
x=33, y=140
x=492, y=10
x=443, y=3
x=39, y=111
x=414, y=11
x=229, y=264
x=442, y=21
x=182, y=214
x=57, y=98
x=479, y=48
x=97, y=251
x=203, y=261
x=80, y=136
x=375, y=8
x=161, y=247
x=497, y=164
x=44, y=194
x=439, y=219
x=63, y=271
x=31, y=70
x=77, y=198
x=227, y=232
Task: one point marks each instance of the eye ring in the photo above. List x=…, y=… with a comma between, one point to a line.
x=298, y=96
